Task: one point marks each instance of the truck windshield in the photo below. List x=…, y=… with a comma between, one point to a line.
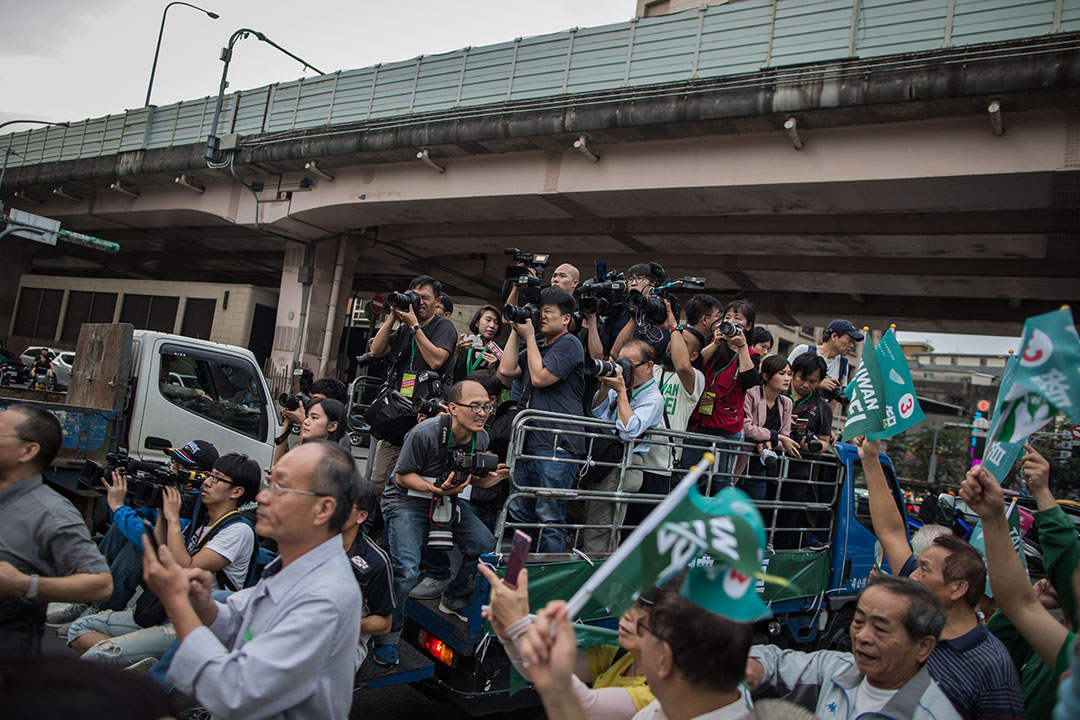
x=223, y=389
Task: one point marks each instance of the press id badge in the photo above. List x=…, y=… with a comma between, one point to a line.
x=408, y=384
x=708, y=401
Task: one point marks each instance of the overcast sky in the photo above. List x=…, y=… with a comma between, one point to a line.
x=77, y=59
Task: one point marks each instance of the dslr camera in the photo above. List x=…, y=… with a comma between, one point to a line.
x=430, y=405
x=836, y=394
x=798, y=434
x=292, y=402
x=444, y=510
x=606, y=368
x=404, y=300
x=729, y=329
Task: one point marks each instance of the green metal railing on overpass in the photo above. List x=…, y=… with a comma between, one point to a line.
x=713, y=42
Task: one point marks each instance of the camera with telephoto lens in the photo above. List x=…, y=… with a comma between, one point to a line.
x=293, y=402
x=444, y=510
x=523, y=262
x=365, y=360
x=464, y=464
x=650, y=308
x=606, y=368
x=522, y=313
x=812, y=443
x=410, y=299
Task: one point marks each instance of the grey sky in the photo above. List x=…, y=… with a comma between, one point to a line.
x=74, y=59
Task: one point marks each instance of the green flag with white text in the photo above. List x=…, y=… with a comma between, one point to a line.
x=1042, y=380
x=883, y=402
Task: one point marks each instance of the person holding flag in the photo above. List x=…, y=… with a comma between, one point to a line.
x=1012, y=589
x=972, y=666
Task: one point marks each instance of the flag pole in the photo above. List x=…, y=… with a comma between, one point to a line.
x=577, y=602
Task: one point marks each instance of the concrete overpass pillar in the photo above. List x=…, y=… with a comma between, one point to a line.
x=17, y=262
x=321, y=264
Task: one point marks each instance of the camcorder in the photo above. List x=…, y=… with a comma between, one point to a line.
x=605, y=294
x=430, y=405
x=410, y=299
x=523, y=262
x=145, y=479
x=606, y=368
x=293, y=402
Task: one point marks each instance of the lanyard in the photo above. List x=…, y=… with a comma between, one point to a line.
x=470, y=366
x=450, y=437
x=642, y=389
x=412, y=340
x=803, y=400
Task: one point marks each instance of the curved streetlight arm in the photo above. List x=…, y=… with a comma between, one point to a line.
x=212, y=141
x=157, y=50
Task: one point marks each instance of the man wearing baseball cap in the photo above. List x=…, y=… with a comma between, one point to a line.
x=196, y=455
x=837, y=342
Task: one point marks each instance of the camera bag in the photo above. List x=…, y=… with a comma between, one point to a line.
x=390, y=416
x=149, y=611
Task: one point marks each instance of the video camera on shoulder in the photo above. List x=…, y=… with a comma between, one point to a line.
x=523, y=262
x=650, y=309
x=146, y=479
x=605, y=294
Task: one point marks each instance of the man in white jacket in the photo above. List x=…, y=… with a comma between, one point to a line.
x=896, y=626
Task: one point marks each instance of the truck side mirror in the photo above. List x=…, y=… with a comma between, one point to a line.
x=156, y=443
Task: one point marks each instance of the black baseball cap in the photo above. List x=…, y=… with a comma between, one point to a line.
x=197, y=454
x=844, y=327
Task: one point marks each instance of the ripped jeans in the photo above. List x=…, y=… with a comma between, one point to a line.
x=128, y=643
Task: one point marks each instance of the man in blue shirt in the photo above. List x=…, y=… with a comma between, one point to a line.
x=286, y=647
x=553, y=375
x=635, y=404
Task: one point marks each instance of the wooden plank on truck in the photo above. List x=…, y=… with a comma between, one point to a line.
x=102, y=369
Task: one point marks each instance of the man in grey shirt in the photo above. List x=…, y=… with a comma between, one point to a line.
x=285, y=648
x=45, y=550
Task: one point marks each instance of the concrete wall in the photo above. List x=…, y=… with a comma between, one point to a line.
x=232, y=325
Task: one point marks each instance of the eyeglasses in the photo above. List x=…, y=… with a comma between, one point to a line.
x=477, y=408
x=641, y=626
x=15, y=435
x=215, y=477
x=277, y=488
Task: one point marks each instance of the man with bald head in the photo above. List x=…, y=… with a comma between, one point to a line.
x=423, y=496
x=287, y=646
x=567, y=277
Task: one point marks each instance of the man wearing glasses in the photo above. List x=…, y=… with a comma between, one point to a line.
x=287, y=646
x=223, y=545
x=418, y=489
x=45, y=550
x=635, y=405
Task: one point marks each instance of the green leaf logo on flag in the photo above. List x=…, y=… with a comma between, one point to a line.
x=1042, y=380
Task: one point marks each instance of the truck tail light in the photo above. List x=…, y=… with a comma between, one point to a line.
x=436, y=647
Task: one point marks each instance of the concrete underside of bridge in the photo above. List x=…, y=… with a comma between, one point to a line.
x=903, y=206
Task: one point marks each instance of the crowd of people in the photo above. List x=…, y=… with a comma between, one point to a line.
x=267, y=600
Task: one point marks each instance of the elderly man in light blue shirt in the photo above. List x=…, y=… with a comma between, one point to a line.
x=634, y=409
x=285, y=648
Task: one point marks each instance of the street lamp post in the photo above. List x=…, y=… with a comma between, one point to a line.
x=157, y=50
x=8, y=151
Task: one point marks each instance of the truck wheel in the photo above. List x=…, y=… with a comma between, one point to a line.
x=835, y=636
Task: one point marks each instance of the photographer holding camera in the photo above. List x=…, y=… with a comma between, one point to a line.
x=477, y=351
x=223, y=544
x=553, y=377
x=630, y=397
x=837, y=342
x=731, y=368
x=636, y=322
x=421, y=342
x=45, y=551
x=295, y=413
x=440, y=459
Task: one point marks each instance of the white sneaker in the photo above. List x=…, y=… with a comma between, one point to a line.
x=60, y=613
x=456, y=612
x=142, y=666
x=428, y=589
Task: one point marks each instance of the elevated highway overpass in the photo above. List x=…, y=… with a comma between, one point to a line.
x=903, y=203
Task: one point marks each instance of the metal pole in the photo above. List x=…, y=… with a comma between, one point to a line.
x=157, y=50
x=932, y=470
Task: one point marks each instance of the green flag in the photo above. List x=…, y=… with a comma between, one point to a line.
x=866, y=413
x=721, y=539
x=883, y=402
x=1042, y=380
x=902, y=409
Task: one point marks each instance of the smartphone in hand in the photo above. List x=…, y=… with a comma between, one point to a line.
x=519, y=551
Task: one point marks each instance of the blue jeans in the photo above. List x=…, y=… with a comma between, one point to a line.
x=405, y=535
x=128, y=642
x=725, y=461
x=541, y=511
x=125, y=565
